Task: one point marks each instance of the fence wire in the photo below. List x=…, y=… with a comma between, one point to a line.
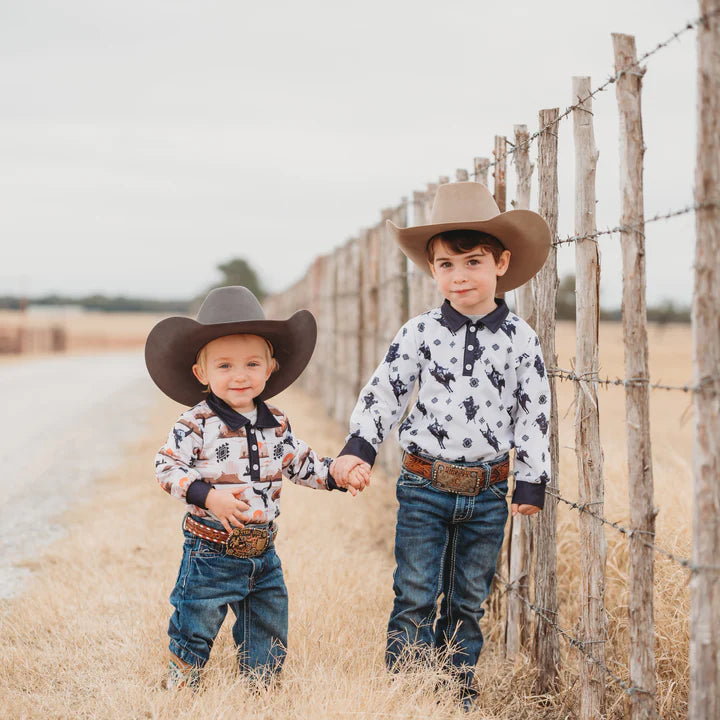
x=710, y=204
x=690, y=25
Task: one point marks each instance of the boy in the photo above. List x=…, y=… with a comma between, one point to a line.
x=225, y=457
x=482, y=390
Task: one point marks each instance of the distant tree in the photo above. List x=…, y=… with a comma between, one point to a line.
x=239, y=272
x=566, y=298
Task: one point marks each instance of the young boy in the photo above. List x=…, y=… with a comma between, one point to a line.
x=225, y=457
x=482, y=390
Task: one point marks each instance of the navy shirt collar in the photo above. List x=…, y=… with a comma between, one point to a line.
x=492, y=321
x=234, y=420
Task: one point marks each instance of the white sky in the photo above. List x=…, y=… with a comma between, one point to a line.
x=143, y=142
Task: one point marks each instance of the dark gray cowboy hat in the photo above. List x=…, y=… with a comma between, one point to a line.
x=471, y=206
x=173, y=344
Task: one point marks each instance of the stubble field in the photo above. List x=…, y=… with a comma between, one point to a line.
x=87, y=637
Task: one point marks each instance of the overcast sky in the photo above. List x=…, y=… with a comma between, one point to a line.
x=143, y=142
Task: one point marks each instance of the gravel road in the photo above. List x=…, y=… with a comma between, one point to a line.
x=68, y=419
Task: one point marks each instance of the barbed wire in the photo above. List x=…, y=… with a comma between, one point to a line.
x=636, y=228
x=591, y=377
x=630, y=533
x=574, y=641
x=690, y=25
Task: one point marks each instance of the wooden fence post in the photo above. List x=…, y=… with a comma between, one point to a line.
x=546, y=646
x=705, y=583
x=481, y=170
x=518, y=622
x=461, y=175
x=637, y=396
x=587, y=419
x=500, y=171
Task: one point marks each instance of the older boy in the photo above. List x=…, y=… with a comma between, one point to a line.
x=482, y=390
x=226, y=457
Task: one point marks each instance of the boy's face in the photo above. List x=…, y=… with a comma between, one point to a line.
x=236, y=367
x=468, y=280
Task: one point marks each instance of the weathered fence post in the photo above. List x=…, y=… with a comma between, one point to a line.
x=705, y=583
x=547, y=651
x=500, y=171
x=587, y=423
x=637, y=394
x=518, y=622
x=481, y=170
x=461, y=175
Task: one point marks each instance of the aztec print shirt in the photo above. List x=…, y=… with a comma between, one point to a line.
x=211, y=445
x=482, y=390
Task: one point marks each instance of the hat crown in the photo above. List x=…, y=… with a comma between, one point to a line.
x=463, y=202
x=233, y=303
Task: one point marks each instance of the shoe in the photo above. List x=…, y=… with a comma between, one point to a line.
x=181, y=674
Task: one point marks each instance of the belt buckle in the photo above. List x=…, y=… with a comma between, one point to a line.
x=247, y=542
x=458, y=480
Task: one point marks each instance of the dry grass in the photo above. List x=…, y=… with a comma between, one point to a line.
x=87, y=638
x=87, y=331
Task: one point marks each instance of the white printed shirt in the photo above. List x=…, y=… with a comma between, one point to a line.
x=482, y=390
x=211, y=445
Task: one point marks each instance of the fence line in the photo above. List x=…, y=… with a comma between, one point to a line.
x=360, y=306
x=690, y=25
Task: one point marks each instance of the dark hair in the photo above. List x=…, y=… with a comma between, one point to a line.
x=462, y=241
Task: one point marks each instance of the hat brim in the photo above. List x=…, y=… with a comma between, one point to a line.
x=173, y=345
x=523, y=232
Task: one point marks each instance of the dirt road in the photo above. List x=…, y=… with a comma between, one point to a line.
x=68, y=419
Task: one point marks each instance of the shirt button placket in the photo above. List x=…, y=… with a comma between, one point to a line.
x=469, y=354
x=253, y=455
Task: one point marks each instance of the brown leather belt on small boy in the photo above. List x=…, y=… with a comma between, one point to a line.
x=245, y=542
x=458, y=479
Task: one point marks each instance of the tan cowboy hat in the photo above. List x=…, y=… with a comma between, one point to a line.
x=173, y=344
x=470, y=206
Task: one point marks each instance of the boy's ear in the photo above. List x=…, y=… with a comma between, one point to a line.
x=199, y=373
x=432, y=268
x=503, y=263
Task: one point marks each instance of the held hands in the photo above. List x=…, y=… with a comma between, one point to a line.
x=351, y=472
x=227, y=507
x=524, y=509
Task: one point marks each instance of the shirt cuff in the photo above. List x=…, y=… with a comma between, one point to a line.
x=197, y=493
x=332, y=485
x=528, y=493
x=360, y=448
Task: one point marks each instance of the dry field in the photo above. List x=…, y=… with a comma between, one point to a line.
x=85, y=331
x=87, y=637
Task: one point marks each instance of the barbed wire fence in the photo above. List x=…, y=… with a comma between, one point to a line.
x=361, y=304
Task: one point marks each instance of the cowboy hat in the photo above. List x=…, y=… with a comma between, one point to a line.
x=173, y=344
x=470, y=206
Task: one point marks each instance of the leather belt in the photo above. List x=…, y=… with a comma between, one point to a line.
x=245, y=542
x=458, y=479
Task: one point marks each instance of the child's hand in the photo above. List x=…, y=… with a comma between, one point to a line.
x=227, y=506
x=341, y=467
x=524, y=509
x=358, y=478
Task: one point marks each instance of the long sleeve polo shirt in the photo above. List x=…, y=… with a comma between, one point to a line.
x=482, y=389
x=211, y=445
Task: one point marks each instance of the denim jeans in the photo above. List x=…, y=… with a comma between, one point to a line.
x=210, y=581
x=445, y=545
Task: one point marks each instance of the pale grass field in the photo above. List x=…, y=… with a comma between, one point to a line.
x=86, y=331
x=87, y=638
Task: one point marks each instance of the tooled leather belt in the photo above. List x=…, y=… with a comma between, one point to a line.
x=458, y=479
x=245, y=542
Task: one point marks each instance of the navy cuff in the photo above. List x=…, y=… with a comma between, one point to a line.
x=197, y=493
x=527, y=493
x=332, y=485
x=360, y=448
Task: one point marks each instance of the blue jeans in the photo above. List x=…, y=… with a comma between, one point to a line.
x=210, y=581
x=445, y=545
